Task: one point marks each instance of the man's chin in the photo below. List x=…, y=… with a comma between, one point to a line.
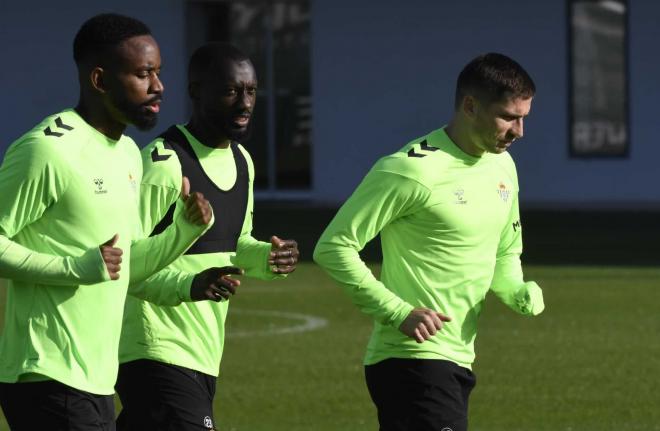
x=241, y=134
x=500, y=148
x=145, y=123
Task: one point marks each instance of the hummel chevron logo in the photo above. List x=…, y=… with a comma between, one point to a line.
x=48, y=132
x=424, y=146
x=155, y=157
x=60, y=125
x=412, y=153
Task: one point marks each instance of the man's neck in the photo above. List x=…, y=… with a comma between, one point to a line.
x=99, y=119
x=205, y=137
x=461, y=136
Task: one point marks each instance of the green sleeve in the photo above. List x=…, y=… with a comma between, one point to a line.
x=508, y=283
x=32, y=178
x=22, y=264
x=160, y=186
x=252, y=254
x=159, y=189
x=150, y=255
x=380, y=199
x=167, y=287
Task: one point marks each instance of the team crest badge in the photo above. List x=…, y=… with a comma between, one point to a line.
x=503, y=192
x=132, y=182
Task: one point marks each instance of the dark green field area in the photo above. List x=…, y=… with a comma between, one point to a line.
x=591, y=362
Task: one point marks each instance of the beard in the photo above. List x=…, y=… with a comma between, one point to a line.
x=138, y=115
x=238, y=135
x=221, y=125
x=145, y=121
x=218, y=123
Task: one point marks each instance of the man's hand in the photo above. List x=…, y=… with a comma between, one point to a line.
x=111, y=256
x=215, y=284
x=423, y=323
x=283, y=255
x=197, y=209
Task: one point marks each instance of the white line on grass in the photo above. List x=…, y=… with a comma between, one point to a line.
x=307, y=323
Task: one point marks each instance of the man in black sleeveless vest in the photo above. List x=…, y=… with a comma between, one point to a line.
x=171, y=344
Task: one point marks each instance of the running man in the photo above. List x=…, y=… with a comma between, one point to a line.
x=69, y=221
x=446, y=207
x=172, y=342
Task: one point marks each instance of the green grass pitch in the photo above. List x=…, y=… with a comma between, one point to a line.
x=590, y=362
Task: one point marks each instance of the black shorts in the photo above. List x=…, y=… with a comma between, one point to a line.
x=420, y=394
x=164, y=397
x=51, y=405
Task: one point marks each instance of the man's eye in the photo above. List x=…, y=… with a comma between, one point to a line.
x=147, y=73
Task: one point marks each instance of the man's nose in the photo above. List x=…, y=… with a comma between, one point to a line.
x=517, y=128
x=245, y=100
x=157, y=86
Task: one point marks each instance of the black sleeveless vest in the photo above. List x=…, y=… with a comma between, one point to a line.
x=228, y=206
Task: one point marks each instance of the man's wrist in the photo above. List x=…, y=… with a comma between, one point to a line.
x=88, y=268
x=185, y=288
x=401, y=314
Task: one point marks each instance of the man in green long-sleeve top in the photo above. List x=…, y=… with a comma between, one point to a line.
x=172, y=342
x=70, y=234
x=446, y=207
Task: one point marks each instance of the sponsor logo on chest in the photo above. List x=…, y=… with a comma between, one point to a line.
x=459, y=194
x=99, y=189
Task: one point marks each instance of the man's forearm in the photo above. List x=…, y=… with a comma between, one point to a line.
x=508, y=284
x=150, y=255
x=252, y=256
x=166, y=287
x=20, y=263
x=370, y=295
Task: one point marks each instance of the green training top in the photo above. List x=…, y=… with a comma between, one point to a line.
x=66, y=189
x=160, y=322
x=450, y=231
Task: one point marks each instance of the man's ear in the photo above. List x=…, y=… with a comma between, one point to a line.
x=470, y=106
x=96, y=78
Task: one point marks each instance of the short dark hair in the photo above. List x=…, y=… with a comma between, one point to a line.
x=103, y=32
x=492, y=77
x=211, y=57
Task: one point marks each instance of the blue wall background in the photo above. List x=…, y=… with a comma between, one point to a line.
x=383, y=73
x=38, y=76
